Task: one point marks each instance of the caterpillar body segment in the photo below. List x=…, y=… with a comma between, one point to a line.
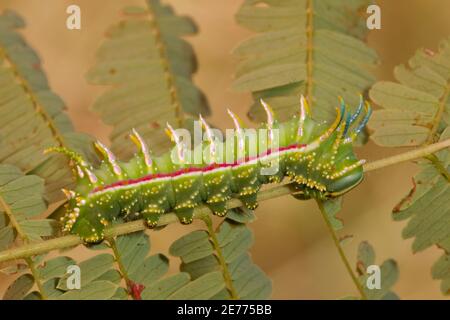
x=317, y=157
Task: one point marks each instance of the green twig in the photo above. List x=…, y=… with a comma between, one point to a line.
x=165, y=64
x=438, y=116
x=439, y=166
x=407, y=156
x=215, y=242
x=129, y=227
x=122, y=269
x=309, y=50
x=342, y=255
x=28, y=259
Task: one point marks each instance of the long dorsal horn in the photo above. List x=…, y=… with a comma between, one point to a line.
x=368, y=112
x=80, y=166
x=346, y=125
x=239, y=130
x=340, y=112
x=109, y=157
x=363, y=123
x=317, y=142
x=142, y=146
x=270, y=119
x=304, y=112
x=171, y=132
x=358, y=110
x=210, y=137
x=342, y=126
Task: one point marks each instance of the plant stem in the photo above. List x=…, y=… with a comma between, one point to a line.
x=138, y=225
x=165, y=64
x=438, y=116
x=407, y=156
x=21, y=80
x=338, y=246
x=439, y=166
x=29, y=260
x=309, y=50
x=226, y=274
x=129, y=227
x=122, y=269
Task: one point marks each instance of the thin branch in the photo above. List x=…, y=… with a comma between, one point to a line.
x=407, y=156
x=118, y=259
x=138, y=225
x=439, y=166
x=309, y=50
x=215, y=242
x=341, y=252
x=438, y=116
x=22, y=235
x=129, y=227
x=32, y=96
x=165, y=63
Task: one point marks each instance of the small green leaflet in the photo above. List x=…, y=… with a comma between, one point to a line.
x=388, y=274
x=239, y=276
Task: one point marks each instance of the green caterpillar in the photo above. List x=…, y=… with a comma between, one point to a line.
x=319, y=160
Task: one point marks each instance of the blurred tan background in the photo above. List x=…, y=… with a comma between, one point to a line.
x=292, y=245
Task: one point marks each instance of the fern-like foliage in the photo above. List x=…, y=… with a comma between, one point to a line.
x=46, y=275
x=150, y=68
x=416, y=111
x=222, y=255
x=388, y=274
x=32, y=116
x=98, y=280
x=128, y=273
x=309, y=47
x=144, y=275
x=21, y=200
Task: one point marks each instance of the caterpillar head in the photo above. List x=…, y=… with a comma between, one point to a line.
x=327, y=166
x=347, y=169
x=346, y=183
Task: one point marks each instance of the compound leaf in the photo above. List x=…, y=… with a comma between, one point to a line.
x=388, y=274
x=309, y=47
x=416, y=111
x=32, y=117
x=224, y=253
x=21, y=198
x=150, y=67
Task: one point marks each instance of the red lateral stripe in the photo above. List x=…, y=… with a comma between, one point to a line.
x=192, y=169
